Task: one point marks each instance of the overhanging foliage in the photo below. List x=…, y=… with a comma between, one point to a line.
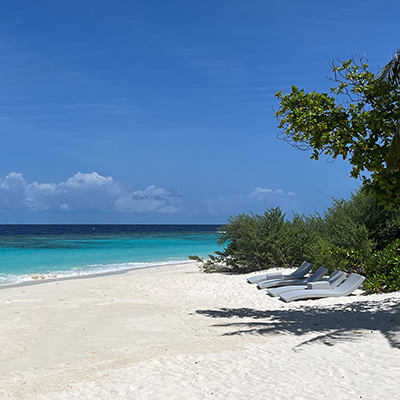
x=358, y=121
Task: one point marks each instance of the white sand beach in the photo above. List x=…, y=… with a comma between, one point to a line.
x=172, y=332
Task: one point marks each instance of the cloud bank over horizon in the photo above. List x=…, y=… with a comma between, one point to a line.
x=258, y=199
x=92, y=193
x=85, y=192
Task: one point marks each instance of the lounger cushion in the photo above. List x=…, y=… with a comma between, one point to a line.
x=274, y=275
x=319, y=285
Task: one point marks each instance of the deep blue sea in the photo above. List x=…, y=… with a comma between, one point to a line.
x=36, y=252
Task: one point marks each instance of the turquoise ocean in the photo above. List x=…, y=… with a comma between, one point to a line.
x=37, y=252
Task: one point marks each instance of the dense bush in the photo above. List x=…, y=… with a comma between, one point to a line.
x=344, y=241
x=383, y=270
x=362, y=209
x=355, y=235
x=336, y=257
x=253, y=241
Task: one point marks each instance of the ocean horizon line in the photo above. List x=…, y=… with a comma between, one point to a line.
x=40, y=252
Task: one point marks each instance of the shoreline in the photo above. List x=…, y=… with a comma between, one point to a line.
x=173, y=332
x=39, y=280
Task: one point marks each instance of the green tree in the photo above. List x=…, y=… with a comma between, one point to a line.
x=390, y=73
x=358, y=121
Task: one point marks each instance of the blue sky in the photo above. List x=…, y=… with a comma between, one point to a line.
x=162, y=111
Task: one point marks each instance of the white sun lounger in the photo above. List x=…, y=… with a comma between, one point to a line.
x=316, y=291
x=298, y=274
x=334, y=280
x=316, y=276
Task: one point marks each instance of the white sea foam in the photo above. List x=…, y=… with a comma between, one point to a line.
x=11, y=279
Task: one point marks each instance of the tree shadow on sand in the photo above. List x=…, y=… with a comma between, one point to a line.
x=332, y=323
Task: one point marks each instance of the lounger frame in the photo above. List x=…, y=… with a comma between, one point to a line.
x=316, y=276
x=353, y=282
x=333, y=281
x=304, y=268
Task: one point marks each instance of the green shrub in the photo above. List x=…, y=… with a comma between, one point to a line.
x=383, y=270
x=355, y=235
x=333, y=257
x=345, y=228
x=345, y=242
x=383, y=226
x=254, y=242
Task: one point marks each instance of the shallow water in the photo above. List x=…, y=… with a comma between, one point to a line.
x=29, y=252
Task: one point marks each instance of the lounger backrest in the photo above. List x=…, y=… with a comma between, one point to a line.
x=317, y=275
x=350, y=284
x=336, y=278
x=302, y=270
x=334, y=274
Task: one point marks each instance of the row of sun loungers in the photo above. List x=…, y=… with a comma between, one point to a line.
x=295, y=286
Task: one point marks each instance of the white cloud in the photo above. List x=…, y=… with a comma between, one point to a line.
x=151, y=199
x=84, y=192
x=258, y=200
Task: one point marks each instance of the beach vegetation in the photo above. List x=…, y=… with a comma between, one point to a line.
x=383, y=270
x=358, y=120
x=251, y=241
x=356, y=235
